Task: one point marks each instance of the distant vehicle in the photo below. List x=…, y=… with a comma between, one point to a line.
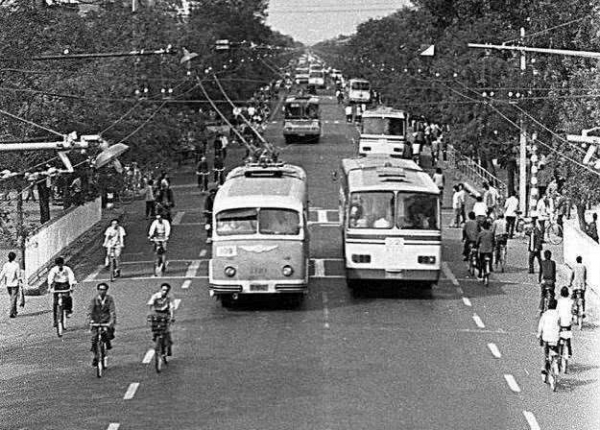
x=317, y=78
x=391, y=224
x=301, y=76
x=385, y=131
x=260, y=241
x=301, y=119
x=335, y=74
x=359, y=91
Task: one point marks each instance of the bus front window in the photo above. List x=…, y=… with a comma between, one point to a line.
x=395, y=126
x=236, y=222
x=279, y=221
x=293, y=110
x=371, y=210
x=373, y=126
x=417, y=211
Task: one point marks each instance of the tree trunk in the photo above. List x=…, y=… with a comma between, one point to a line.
x=44, y=201
x=511, y=168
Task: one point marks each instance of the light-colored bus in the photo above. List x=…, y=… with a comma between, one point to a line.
x=260, y=242
x=301, y=119
x=359, y=91
x=390, y=219
x=317, y=78
x=301, y=75
x=384, y=131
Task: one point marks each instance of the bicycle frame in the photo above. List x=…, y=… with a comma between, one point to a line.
x=160, y=257
x=100, y=347
x=60, y=316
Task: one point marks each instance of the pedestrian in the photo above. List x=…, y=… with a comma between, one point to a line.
x=456, y=207
x=592, y=228
x=150, y=199
x=348, y=111
x=535, y=244
x=202, y=171
x=11, y=277
x=490, y=198
x=218, y=169
x=511, y=206
x=224, y=144
x=75, y=190
x=438, y=178
x=544, y=210
x=463, y=199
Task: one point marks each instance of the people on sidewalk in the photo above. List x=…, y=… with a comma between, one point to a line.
x=11, y=277
x=490, y=198
x=535, y=244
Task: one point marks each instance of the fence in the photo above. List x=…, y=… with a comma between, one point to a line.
x=473, y=171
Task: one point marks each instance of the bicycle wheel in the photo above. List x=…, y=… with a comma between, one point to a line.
x=503, y=259
x=158, y=354
x=100, y=358
x=112, y=269
x=554, y=374
x=554, y=234
x=158, y=268
x=60, y=320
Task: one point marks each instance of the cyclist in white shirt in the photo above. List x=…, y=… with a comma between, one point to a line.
x=114, y=239
x=160, y=230
x=564, y=307
x=480, y=209
x=548, y=332
x=579, y=279
x=11, y=277
x=511, y=206
x=61, y=278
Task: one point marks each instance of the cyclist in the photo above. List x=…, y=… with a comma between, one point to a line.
x=208, y=210
x=500, y=229
x=61, y=278
x=579, y=280
x=102, y=311
x=114, y=242
x=161, y=305
x=480, y=209
x=564, y=306
x=547, y=277
x=485, y=244
x=470, y=232
x=548, y=333
x=160, y=230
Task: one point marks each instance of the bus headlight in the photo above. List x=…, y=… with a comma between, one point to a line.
x=287, y=271
x=230, y=271
x=426, y=259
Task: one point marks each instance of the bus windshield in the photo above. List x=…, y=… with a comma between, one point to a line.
x=360, y=86
x=316, y=74
x=417, y=211
x=371, y=210
x=297, y=110
x=383, y=126
x=245, y=221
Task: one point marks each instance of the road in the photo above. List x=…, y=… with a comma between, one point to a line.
x=458, y=357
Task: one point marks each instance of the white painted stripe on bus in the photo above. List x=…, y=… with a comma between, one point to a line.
x=466, y=301
x=92, y=276
x=186, y=284
x=478, y=321
x=531, y=420
x=319, y=268
x=131, y=391
x=176, y=303
x=494, y=350
x=192, y=269
x=448, y=273
x=203, y=253
x=178, y=217
x=148, y=357
x=512, y=383
x=322, y=216
x=113, y=426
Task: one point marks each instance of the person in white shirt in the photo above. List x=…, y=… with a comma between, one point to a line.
x=348, y=111
x=480, y=209
x=579, y=279
x=564, y=307
x=114, y=240
x=11, y=277
x=549, y=332
x=61, y=279
x=160, y=230
x=439, y=180
x=456, y=207
x=162, y=306
x=543, y=211
x=462, y=196
x=490, y=198
x=511, y=206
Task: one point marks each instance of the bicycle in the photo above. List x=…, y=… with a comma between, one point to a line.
x=486, y=269
x=552, y=376
x=160, y=261
x=501, y=253
x=578, y=306
x=60, y=311
x=112, y=264
x=473, y=264
x=548, y=295
x=100, y=354
x=159, y=325
x=563, y=350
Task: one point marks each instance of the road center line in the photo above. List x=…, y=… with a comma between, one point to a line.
x=478, y=321
x=176, y=303
x=533, y=424
x=512, y=383
x=192, y=269
x=148, y=357
x=178, y=217
x=131, y=391
x=319, y=268
x=113, y=426
x=466, y=301
x=322, y=216
x=186, y=284
x=203, y=253
x=494, y=350
x=448, y=273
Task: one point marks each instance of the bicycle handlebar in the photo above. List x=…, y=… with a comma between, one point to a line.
x=53, y=291
x=106, y=325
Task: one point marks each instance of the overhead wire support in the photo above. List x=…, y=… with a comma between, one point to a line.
x=136, y=53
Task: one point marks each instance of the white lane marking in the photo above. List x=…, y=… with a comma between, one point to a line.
x=325, y=310
x=203, y=253
x=336, y=122
x=178, y=217
x=92, y=276
x=192, y=269
x=448, y=273
x=131, y=391
x=533, y=424
x=186, y=284
x=322, y=216
x=176, y=303
x=512, y=383
x=113, y=426
x=494, y=350
x=478, y=321
x=148, y=357
x=466, y=301
x=319, y=268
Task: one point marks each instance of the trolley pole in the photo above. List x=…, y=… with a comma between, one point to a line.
x=523, y=145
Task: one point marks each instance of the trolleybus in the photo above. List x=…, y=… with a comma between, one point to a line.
x=359, y=91
x=301, y=119
x=260, y=236
x=384, y=131
x=390, y=219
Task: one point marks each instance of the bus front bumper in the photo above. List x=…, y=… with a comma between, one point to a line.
x=260, y=287
x=408, y=275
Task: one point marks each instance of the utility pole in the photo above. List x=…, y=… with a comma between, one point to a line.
x=522, y=144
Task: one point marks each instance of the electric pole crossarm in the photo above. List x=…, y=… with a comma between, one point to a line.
x=568, y=52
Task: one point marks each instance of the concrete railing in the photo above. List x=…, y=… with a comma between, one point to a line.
x=474, y=172
x=576, y=242
x=48, y=242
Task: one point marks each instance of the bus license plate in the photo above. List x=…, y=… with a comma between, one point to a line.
x=394, y=275
x=259, y=287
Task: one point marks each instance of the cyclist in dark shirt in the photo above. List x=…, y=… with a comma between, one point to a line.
x=485, y=243
x=547, y=276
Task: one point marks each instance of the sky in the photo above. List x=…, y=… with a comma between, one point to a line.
x=312, y=21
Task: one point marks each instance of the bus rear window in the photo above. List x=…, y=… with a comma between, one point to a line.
x=279, y=221
x=360, y=86
x=417, y=211
x=383, y=126
x=237, y=221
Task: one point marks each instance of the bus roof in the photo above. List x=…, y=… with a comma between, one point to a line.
x=271, y=185
x=384, y=112
x=381, y=172
x=302, y=99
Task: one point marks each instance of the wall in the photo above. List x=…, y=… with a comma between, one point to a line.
x=578, y=243
x=57, y=234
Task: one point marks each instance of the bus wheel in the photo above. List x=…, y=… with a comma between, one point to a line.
x=226, y=300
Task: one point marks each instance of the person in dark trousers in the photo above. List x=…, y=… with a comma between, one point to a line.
x=485, y=244
x=202, y=171
x=150, y=199
x=547, y=277
x=102, y=311
x=592, y=228
x=218, y=170
x=470, y=233
x=208, y=210
x=535, y=245
x=218, y=146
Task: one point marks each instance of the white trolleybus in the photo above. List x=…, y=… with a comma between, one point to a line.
x=390, y=218
x=384, y=130
x=359, y=91
x=301, y=119
x=260, y=238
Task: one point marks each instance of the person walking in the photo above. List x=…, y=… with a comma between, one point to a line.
x=536, y=241
x=456, y=207
x=11, y=277
x=490, y=198
x=440, y=181
x=202, y=171
x=348, y=111
x=218, y=169
x=592, y=228
x=150, y=199
x=511, y=206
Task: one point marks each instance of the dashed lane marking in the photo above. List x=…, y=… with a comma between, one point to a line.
x=176, y=303
x=533, y=424
x=448, y=273
x=148, y=357
x=92, y=276
x=131, y=391
x=478, y=321
x=203, y=253
x=494, y=350
x=466, y=301
x=512, y=383
x=319, y=268
x=113, y=426
x=178, y=217
x=186, y=284
x=192, y=269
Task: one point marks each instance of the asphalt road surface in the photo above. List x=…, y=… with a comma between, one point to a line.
x=458, y=357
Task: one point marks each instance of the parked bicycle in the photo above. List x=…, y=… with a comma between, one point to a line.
x=100, y=349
